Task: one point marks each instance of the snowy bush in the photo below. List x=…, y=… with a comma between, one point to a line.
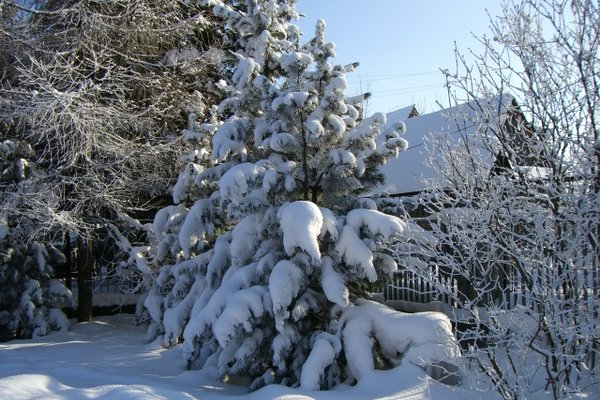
x=261, y=264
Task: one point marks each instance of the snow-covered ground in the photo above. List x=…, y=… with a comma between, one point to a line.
x=110, y=359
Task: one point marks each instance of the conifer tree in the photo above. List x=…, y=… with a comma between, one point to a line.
x=265, y=255
x=30, y=300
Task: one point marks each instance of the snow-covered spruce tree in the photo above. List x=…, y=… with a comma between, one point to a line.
x=100, y=90
x=30, y=300
x=264, y=260
x=526, y=229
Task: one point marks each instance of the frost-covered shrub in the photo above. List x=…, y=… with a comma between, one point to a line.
x=521, y=237
x=270, y=238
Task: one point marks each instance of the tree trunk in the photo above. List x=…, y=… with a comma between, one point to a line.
x=69, y=261
x=85, y=267
x=305, y=184
x=315, y=195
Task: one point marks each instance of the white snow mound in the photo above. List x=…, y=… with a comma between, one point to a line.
x=421, y=339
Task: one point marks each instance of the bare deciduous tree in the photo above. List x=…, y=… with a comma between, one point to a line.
x=100, y=90
x=526, y=229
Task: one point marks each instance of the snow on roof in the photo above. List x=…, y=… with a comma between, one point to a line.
x=410, y=171
x=401, y=114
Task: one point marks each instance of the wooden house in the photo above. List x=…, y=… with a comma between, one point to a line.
x=500, y=116
x=490, y=127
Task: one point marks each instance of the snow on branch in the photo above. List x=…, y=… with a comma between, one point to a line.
x=235, y=184
x=301, y=223
x=199, y=323
x=241, y=308
x=353, y=250
x=356, y=253
x=196, y=226
x=285, y=282
x=325, y=349
x=376, y=222
x=333, y=284
x=420, y=338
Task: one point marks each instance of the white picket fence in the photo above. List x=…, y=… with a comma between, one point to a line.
x=411, y=287
x=418, y=288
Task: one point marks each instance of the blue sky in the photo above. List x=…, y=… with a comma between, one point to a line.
x=400, y=44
